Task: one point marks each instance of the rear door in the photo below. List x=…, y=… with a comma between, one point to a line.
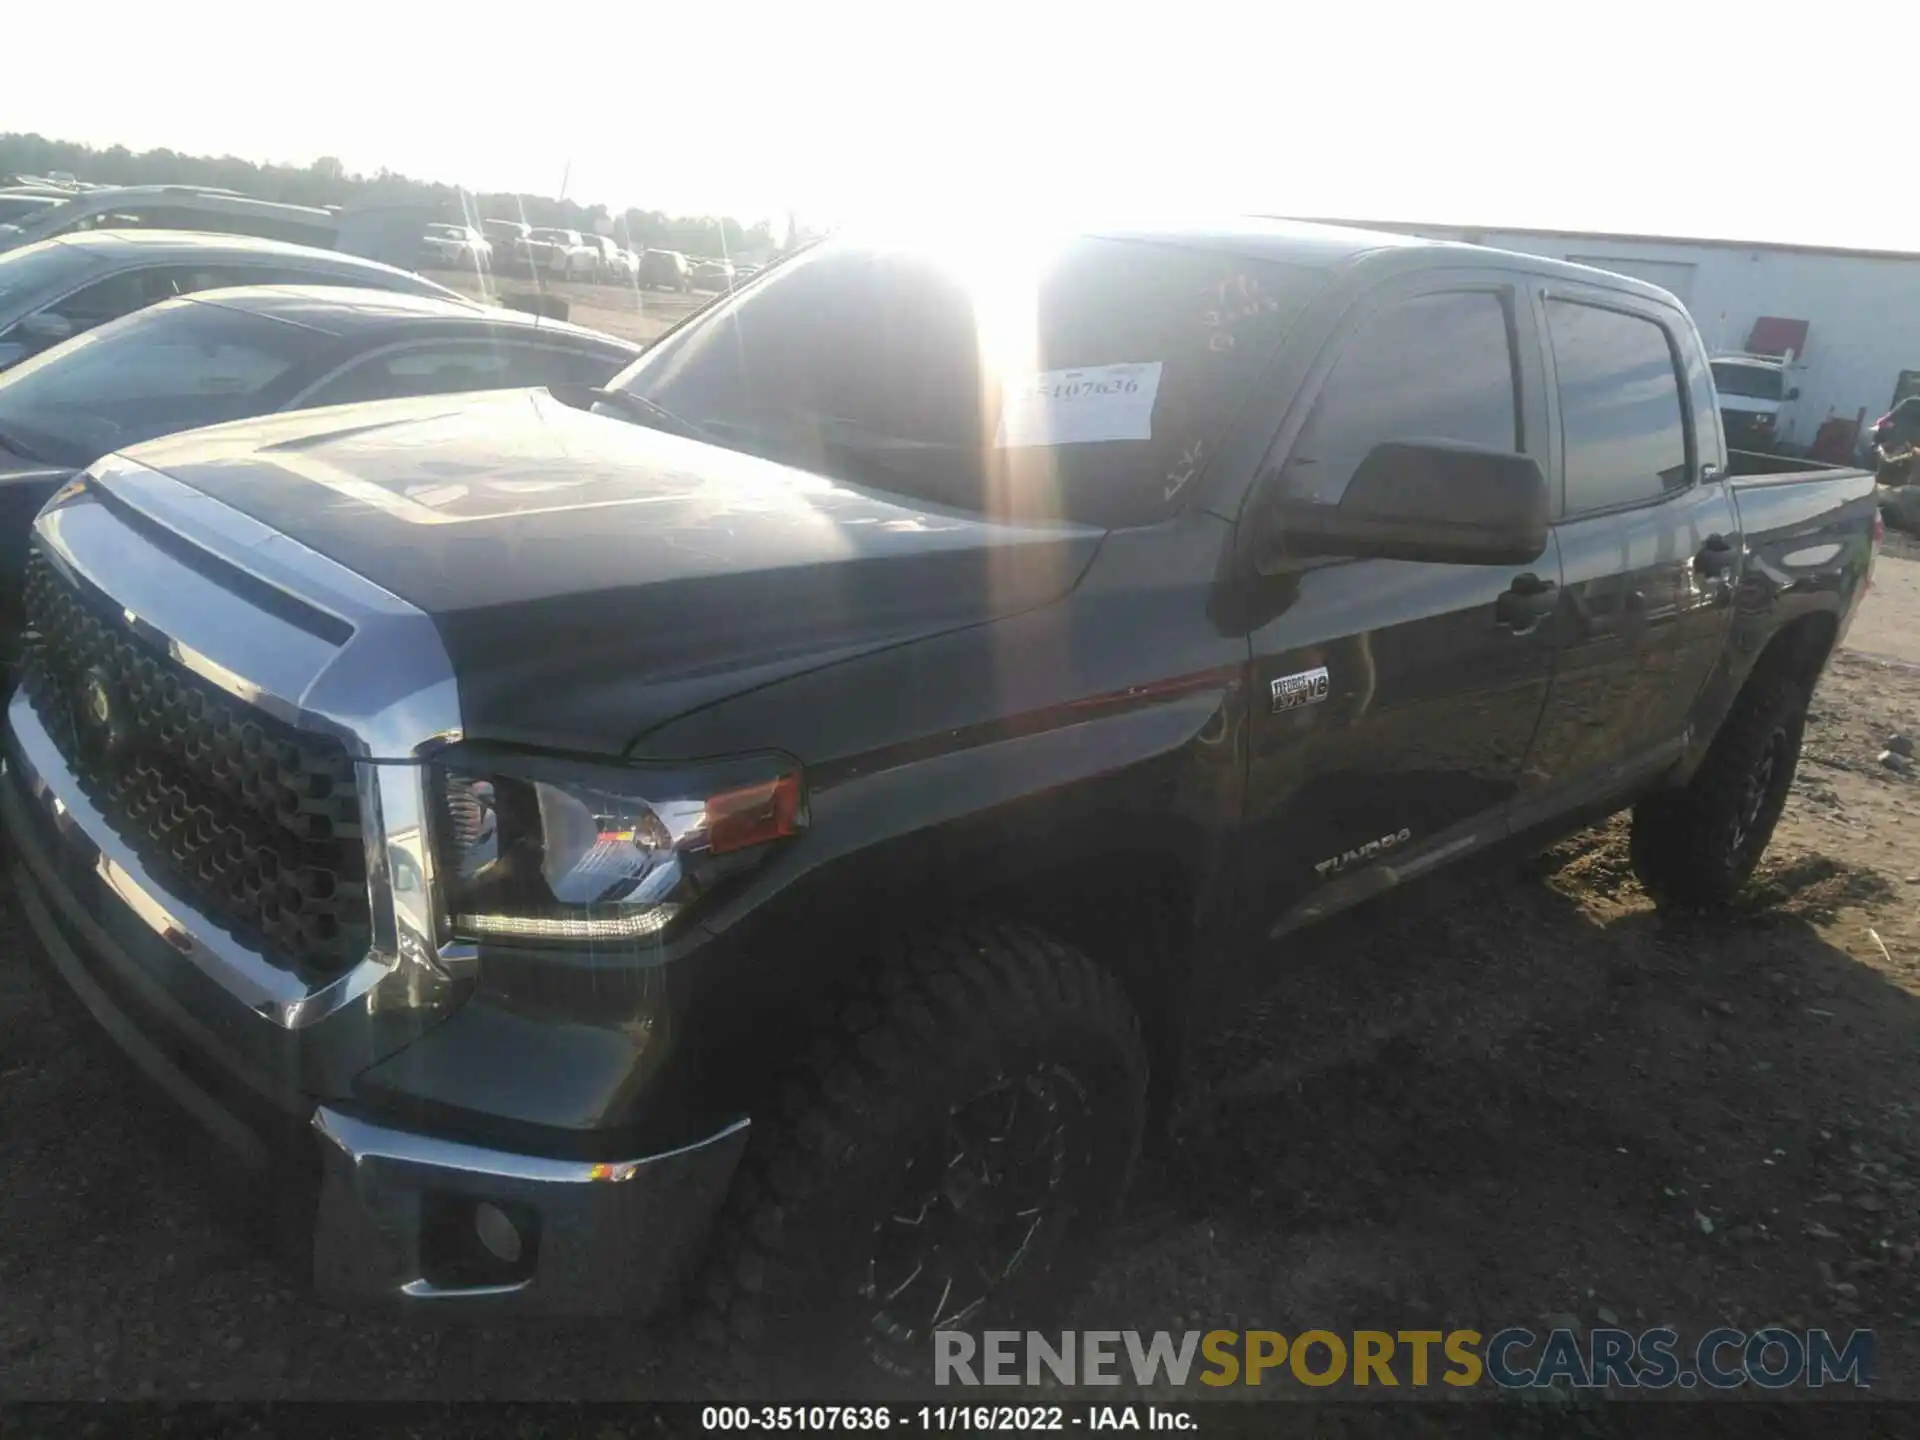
x=1647, y=535
x=1394, y=701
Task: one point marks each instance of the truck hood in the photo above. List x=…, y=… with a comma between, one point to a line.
x=592, y=578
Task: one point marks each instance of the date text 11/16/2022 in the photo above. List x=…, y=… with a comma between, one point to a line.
x=942, y=1419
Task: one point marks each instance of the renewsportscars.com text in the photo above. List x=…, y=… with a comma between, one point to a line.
x=1514, y=1358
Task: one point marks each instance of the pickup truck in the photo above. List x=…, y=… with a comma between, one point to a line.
x=559, y=254
x=772, y=830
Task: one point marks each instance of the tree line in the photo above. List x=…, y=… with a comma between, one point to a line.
x=328, y=182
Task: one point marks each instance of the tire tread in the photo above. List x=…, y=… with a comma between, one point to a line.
x=920, y=1009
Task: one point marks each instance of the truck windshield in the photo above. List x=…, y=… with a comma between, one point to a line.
x=1088, y=380
x=1754, y=382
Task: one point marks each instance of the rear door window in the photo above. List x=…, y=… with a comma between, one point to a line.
x=1623, y=425
x=148, y=374
x=450, y=367
x=107, y=299
x=1437, y=367
x=218, y=275
x=221, y=274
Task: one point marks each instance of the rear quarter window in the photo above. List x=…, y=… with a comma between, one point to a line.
x=1623, y=425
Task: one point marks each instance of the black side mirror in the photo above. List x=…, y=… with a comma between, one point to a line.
x=1794, y=393
x=1446, y=503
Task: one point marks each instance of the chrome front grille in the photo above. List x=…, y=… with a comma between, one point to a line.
x=254, y=822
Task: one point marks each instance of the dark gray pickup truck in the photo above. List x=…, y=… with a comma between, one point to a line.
x=780, y=822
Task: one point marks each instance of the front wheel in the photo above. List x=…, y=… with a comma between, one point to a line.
x=965, y=1121
x=1696, y=846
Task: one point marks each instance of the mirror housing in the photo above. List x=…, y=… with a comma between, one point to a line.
x=1794, y=393
x=1438, y=502
x=46, y=325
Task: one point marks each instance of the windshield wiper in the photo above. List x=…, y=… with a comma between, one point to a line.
x=7, y=442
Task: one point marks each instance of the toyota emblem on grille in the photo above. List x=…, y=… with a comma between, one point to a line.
x=99, y=715
x=99, y=700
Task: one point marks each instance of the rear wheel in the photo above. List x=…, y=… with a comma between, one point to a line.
x=1697, y=845
x=967, y=1118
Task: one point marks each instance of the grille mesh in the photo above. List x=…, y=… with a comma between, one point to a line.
x=253, y=821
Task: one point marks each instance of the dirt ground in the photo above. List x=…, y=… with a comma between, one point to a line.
x=1529, y=1099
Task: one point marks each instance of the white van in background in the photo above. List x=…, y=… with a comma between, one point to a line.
x=1753, y=393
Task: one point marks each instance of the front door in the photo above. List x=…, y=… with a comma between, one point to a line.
x=1394, y=701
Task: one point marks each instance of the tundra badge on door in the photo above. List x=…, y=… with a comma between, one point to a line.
x=1367, y=851
x=1309, y=687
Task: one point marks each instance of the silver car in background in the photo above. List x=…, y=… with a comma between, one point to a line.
x=59, y=288
x=455, y=247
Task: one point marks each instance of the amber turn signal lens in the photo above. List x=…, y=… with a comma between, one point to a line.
x=754, y=814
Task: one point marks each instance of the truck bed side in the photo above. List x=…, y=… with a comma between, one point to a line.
x=1807, y=543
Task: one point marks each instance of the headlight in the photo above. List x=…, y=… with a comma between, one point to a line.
x=558, y=852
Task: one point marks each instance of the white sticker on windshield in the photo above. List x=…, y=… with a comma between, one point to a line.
x=1076, y=407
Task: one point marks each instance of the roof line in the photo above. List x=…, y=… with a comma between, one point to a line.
x=1420, y=228
x=206, y=298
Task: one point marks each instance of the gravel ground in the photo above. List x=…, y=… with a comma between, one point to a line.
x=1521, y=1099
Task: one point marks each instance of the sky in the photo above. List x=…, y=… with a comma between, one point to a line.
x=1636, y=117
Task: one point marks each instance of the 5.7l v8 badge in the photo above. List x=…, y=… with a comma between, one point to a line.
x=1309, y=687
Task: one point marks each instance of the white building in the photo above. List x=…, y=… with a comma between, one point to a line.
x=1851, y=317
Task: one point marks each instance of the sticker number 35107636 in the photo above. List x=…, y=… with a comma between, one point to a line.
x=1077, y=407
x=1081, y=386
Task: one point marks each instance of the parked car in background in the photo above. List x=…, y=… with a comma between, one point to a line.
x=606, y=254
x=46, y=185
x=665, y=270
x=505, y=237
x=559, y=254
x=382, y=229
x=56, y=289
x=175, y=207
x=615, y=264
x=231, y=354
x=17, y=207
x=455, y=247
x=1753, y=393
x=713, y=275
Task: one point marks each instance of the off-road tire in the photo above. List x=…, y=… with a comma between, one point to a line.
x=1695, y=847
x=984, y=1010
